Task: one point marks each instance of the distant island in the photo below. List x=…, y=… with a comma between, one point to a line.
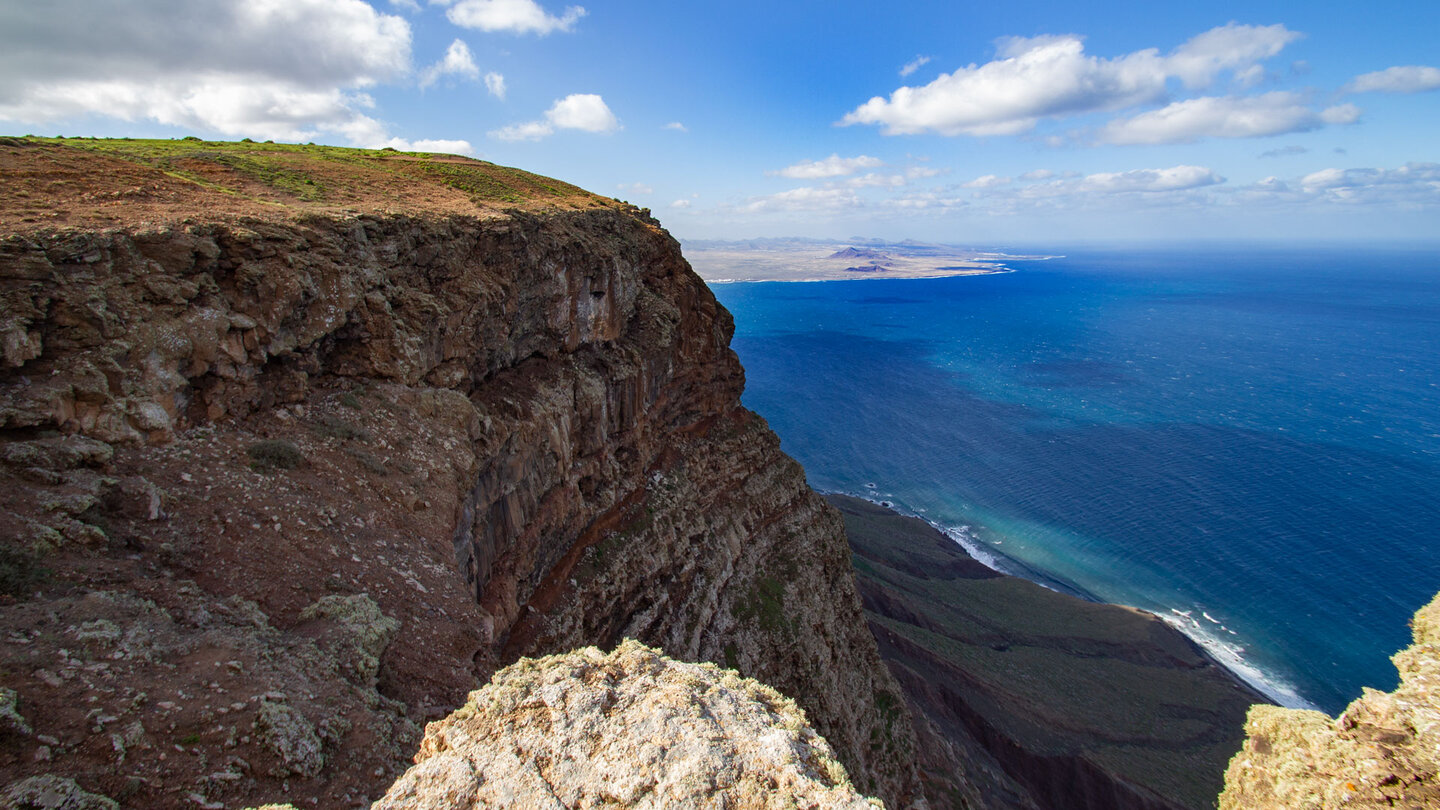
x=815, y=260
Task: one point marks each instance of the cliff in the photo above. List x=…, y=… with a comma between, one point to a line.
x=1028, y=699
x=302, y=444
x=1383, y=751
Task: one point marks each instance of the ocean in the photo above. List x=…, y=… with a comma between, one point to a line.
x=1244, y=442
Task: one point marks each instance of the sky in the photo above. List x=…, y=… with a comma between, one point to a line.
x=958, y=122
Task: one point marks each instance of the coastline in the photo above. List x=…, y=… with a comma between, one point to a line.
x=1266, y=686
x=1035, y=693
x=730, y=263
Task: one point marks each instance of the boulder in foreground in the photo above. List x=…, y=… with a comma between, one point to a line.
x=1383, y=751
x=631, y=728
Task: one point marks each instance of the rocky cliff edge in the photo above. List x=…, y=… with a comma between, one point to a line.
x=300, y=445
x=1383, y=751
x=628, y=729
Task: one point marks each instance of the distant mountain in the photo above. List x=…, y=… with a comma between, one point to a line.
x=858, y=253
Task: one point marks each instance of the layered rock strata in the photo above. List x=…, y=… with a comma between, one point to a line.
x=1383, y=751
x=283, y=483
x=629, y=729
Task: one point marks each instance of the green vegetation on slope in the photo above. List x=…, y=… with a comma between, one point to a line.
x=1058, y=676
x=82, y=176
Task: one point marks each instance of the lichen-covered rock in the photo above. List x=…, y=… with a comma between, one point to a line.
x=11, y=721
x=49, y=792
x=1382, y=752
x=291, y=738
x=359, y=635
x=628, y=729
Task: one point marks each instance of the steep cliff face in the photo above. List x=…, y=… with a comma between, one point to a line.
x=1383, y=751
x=288, y=480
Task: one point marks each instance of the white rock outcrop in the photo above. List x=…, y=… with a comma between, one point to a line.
x=631, y=728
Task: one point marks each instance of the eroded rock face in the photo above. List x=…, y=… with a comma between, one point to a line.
x=1381, y=752
x=516, y=435
x=628, y=729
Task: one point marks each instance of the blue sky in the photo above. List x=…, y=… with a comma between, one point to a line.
x=959, y=122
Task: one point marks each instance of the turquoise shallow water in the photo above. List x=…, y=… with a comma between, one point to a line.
x=1245, y=442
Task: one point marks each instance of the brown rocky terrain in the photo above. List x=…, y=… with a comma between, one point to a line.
x=301, y=445
x=1383, y=751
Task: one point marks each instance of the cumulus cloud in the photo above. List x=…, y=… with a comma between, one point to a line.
x=1409, y=187
x=424, y=145
x=1276, y=113
x=1037, y=174
x=914, y=65
x=511, y=16
x=833, y=166
x=875, y=180
x=987, y=181
x=636, y=188
x=1052, y=77
x=1231, y=47
x=1399, y=79
x=457, y=62
x=1175, y=178
x=805, y=198
x=676, y=126
x=680, y=204
x=495, y=85
x=586, y=112
x=1284, y=151
x=284, y=70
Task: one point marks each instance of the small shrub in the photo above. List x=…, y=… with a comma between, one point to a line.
x=349, y=400
x=370, y=462
x=276, y=454
x=20, y=572
x=340, y=429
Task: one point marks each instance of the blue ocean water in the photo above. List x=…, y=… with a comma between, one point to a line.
x=1246, y=442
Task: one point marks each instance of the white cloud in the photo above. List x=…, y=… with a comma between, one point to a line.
x=1052, y=77
x=457, y=62
x=495, y=85
x=1176, y=178
x=636, y=188
x=287, y=70
x=447, y=147
x=805, y=198
x=408, y=5
x=1238, y=48
x=1274, y=113
x=833, y=166
x=676, y=126
x=924, y=200
x=1285, y=151
x=528, y=131
x=921, y=172
x=1037, y=174
x=512, y=16
x=914, y=65
x=875, y=180
x=583, y=111
x=1400, y=79
x=1410, y=187
x=987, y=181
x=680, y=204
